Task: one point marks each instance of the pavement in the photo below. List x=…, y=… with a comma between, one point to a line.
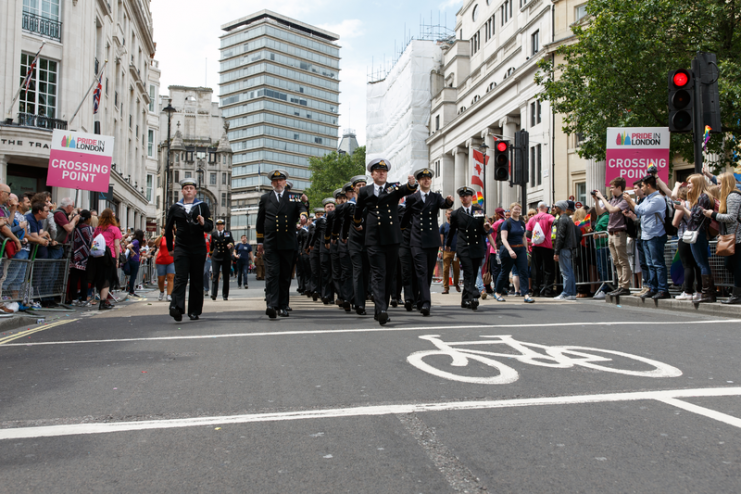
x=548, y=397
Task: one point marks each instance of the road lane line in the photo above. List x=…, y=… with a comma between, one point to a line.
x=29, y=332
x=381, y=329
x=361, y=411
x=706, y=412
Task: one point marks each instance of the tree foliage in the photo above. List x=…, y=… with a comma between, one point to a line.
x=615, y=75
x=331, y=172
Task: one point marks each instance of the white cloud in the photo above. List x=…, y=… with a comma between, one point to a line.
x=348, y=28
x=450, y=3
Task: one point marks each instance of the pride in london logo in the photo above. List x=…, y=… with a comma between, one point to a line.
x=68, y=142
x=623, y=139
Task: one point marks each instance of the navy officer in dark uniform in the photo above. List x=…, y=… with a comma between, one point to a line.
x=346, y=275
x=277, y=215
x=356, y=247
x=470, y=222
x=424, y=207
x=222, y=244
x=192, y=218
x=383, y=232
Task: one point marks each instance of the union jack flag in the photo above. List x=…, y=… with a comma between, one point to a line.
x=31, y=70
x=96, y=94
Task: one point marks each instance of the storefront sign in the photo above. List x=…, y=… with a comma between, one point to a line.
x=80, y=161
x=631, y=149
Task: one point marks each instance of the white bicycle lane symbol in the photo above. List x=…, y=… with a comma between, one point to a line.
x=556, y=357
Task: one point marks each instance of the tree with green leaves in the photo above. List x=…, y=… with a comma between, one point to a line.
x=616, y=73
x=331, y=172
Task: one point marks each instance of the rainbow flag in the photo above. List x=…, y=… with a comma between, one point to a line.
x=585, y=221
x=480, y=198
x=706, y=137
x=677, y=271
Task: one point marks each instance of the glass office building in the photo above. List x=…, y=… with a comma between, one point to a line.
x=279, y=93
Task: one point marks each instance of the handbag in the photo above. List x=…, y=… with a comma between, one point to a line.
x=487, y=272
x=726, y=245
x=690, y=237
x=10, y=249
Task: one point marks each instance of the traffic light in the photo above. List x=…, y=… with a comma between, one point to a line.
x=521, y=168
x=501, y=161
x=681, y=100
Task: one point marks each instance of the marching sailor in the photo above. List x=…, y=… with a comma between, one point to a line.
x=192, y=218
x=222, y=244
x=277, y=216
x=325, y=253
x=345, y=289
x=356, y=247
x=383, y=234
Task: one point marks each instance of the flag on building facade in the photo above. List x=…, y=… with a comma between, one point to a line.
x=477, y=173
x=96, y=94
x=31, y=70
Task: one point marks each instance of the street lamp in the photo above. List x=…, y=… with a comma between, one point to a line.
x=169, y=110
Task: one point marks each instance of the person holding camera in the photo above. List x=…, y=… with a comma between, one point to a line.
x=192, y=218
x=617, y=230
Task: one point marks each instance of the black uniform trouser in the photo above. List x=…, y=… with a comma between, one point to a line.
x=300, y=274
x=469, y=267
x=407, y=280
x=424, y=266
x=346, y=278
x=327, y=290
x=278, y=270
x=224, y=267
x=336, y=272
x=383, y=260
x=188, y=265
x=543, y=269
x=360, y=269
x=316, y=271
x=306, y=260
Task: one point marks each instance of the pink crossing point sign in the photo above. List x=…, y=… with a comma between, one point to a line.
x=80, y=161
x=631, y=149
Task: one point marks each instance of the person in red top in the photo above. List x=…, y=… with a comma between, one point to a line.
x=165, y=268
x=543, y=267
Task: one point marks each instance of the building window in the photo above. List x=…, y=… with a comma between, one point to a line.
x=437, y=122
x=581, y=192
x=188, y=175
x=223, y=179
x=523, y=3
x=212, y=157
x=151, y=97
x=137, y=132
x=223, y=159
x=149, y=187
x=177, y=157
x=177, y=175
x=41, y=96
x=212, y=179
x=223, y=199
x=130, y=121
x=42, y=17
x=115, y=99
x=490, y=28
x=581, y=12
x=536, y=165
x=535, y=42
x=437, y=168
x=189, y=156
x=150, y=143
x=506, y=11
x=536, y=114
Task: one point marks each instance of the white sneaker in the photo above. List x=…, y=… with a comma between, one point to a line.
x=560, y=297
x=161, y=297
x=569, y=297
x=600, y=295
x=684, y=296
x=169, y=298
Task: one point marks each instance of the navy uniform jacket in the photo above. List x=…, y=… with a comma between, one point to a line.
x=190, y=237
x=303, y=239
x=331, y=218
x=471, y=233
x=425, y=228
x=219, y=242
x=341, y=217
x=382, y=222
x=320, y=226
x=356, y=239
x=276, y=223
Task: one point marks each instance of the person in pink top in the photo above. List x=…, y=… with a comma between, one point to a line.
x=101, y=270
x=543, y=267
x=495, y=265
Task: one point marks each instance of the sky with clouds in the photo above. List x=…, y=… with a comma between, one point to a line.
x=187, y=35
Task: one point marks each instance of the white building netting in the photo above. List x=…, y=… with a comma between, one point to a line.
x=398, y=111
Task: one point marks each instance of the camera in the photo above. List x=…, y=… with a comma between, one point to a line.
x=594, y=193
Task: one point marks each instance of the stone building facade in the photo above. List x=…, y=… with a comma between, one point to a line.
x=79, y=38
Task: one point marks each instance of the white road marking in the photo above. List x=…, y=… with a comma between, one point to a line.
x=379, y=329
x=363, y=411
x=712, y=414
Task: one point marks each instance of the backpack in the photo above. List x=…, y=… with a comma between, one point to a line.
x=538, y=235
x=669, y=227
x=98, y=247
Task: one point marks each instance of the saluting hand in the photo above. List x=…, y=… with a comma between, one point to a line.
x=304, y=198
x=450, y=199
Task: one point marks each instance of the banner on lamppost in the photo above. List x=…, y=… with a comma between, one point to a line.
x=631, y=149
x=80, y=161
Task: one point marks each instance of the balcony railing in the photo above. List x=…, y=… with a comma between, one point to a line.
x=42, y=26
x=40, y=122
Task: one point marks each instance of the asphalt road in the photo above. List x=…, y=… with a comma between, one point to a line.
x=328, y=402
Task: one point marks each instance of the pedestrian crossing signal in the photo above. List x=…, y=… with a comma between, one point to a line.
x=501, y=161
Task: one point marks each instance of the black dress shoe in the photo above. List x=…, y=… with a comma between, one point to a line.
x=315, y=296
x=648, y=294
x=408, y=305
x=193, y=317
x=619, y=292
x=226, y=298
x=176, y=314
x=270, y=311
x=394, y=303
x=383, y=317
x=283, y=313
x=474, y=305
x=213, y=297
x=425, y=310
x=661, y=295
x=466, y=305
x=289, y=309
x=360, y=311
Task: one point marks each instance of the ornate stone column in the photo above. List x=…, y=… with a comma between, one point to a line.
x=461, y=161
x=490, y=185
x=595, y=178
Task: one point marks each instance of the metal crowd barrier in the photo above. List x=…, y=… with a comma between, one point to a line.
x=592, y=262
x=24, y=280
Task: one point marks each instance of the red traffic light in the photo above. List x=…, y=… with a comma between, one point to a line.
x=502, y=147
x=681, y=78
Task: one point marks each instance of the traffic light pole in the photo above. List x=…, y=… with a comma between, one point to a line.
x=698, y=129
